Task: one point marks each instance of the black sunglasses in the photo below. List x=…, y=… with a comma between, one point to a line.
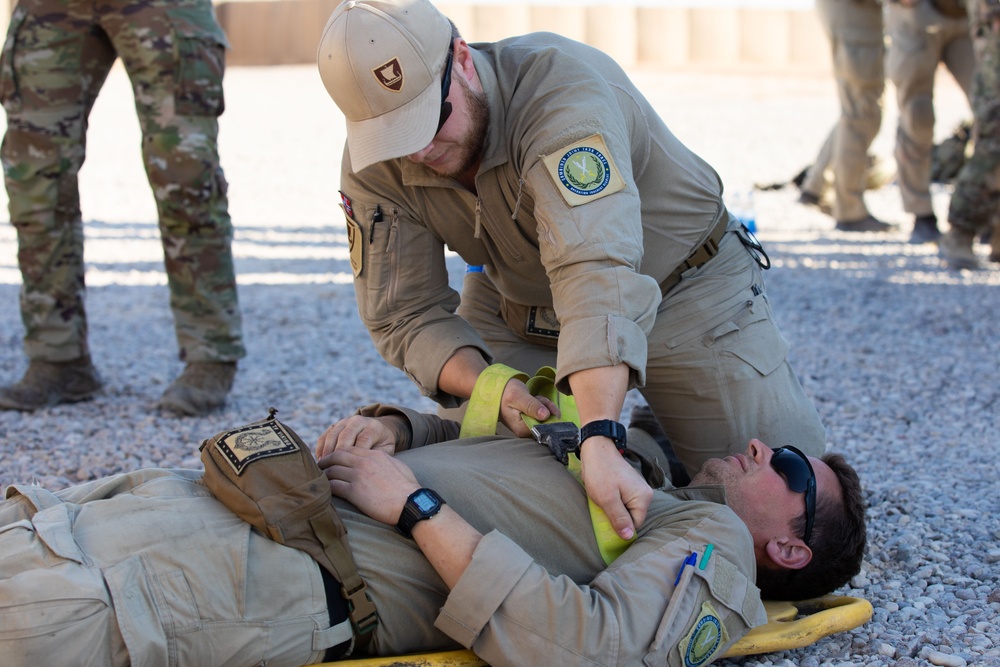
x=794, y=466
x=445, y=85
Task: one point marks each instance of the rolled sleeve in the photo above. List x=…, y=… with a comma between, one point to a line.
x=428, y=352
x=497, y=565
x=595, y=342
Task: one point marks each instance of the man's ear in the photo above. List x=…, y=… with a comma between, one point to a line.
x=790, y=553
x=464, y=64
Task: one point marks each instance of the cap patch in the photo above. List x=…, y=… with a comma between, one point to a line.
x=706, y=636
x=243, y=446
x=390, y=75
x=585, y=171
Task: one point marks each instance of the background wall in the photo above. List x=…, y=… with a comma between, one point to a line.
x=672, y=37
x=703, y=36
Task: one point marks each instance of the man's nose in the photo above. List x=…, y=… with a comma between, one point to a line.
x=421, y=155
x=758, y=451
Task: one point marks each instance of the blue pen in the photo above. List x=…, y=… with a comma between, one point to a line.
x=690, y=560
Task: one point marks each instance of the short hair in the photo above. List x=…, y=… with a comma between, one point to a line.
x=838, y=542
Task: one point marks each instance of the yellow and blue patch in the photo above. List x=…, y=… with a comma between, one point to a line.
x=585, y=171
x=705, y=638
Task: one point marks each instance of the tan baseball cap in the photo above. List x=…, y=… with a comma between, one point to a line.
x=382, y=62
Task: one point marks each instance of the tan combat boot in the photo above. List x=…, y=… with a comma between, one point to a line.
x=48, y=383
x=955, y=248
x=201, y=388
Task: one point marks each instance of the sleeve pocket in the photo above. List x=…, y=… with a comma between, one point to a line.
x=708, y=611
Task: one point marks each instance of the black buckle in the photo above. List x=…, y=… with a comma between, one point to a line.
x=562, y=439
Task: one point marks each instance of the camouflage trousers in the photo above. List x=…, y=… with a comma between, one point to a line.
x=55, y=60
x=976, y=200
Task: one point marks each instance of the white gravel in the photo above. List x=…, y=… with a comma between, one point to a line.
x=899, y=355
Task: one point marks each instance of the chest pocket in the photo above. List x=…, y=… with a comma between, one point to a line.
x=708, y=611
x=403, y=263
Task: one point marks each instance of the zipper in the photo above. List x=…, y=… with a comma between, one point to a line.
x=392, y=248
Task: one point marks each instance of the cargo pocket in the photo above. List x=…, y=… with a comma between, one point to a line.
x=149, y=607
x=752, y=337
x=10, y=95
x=200, y=64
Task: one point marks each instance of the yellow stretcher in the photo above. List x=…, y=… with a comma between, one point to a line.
x=789, y=625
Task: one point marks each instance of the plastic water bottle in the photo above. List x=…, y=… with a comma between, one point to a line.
x=742, y=206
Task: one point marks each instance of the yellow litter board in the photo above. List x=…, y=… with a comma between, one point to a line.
x=789, y=625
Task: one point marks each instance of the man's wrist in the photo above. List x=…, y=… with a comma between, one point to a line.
x=402, y=434
x=607, y=428
x=420, y=505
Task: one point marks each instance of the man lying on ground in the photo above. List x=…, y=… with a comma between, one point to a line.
x=149, y=568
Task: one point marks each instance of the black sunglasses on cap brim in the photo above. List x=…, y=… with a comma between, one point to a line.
x=794, y=466
x=445, y=85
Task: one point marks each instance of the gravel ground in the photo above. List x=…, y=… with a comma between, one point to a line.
x=898, y=354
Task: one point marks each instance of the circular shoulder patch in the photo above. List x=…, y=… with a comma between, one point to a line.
x=705, y=640
x=584, y=171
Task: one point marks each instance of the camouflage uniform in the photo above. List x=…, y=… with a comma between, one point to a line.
x=55, y=60
x=976, y=199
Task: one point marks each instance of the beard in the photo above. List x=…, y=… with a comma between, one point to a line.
x=473, y=143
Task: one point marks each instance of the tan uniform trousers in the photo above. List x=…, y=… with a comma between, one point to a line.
x=921, y=37
x=162, y=574
x=717, y=372
x=858, y=49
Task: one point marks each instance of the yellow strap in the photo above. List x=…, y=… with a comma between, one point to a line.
x=483, y=411
x=481, y=419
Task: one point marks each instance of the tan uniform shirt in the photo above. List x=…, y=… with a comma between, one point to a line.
x=537, y=586
x=591, y=231
x=149, y=569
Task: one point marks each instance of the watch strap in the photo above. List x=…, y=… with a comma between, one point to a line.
x=609, y=429
x=414, y=512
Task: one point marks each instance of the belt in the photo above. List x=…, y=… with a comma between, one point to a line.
x=339, y=612
x=700, y=255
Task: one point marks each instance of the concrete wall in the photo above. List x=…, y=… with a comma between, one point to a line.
x=265, y=32
x=279, y=32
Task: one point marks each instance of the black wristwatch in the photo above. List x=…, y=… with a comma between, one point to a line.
x=422, y=504
x=608, y=428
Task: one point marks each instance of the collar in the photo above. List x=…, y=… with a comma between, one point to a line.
x=495, y=150
x=713, y=493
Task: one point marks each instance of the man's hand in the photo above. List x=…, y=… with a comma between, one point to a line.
x=379, y=433
x=517, y=400
x=373, y=481
x=614, y=485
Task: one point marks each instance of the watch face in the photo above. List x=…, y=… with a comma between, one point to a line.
x=424, y=502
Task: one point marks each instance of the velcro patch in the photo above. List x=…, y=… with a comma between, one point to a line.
x=348, y=206
x=355, y=243
x=705, y=639
x=584, y=171
x=247, y=444
x=542, y=321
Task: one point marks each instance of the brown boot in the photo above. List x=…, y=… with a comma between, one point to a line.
x=201, y=388
x=955, y=248
x=48, y=383
x=995, y=245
